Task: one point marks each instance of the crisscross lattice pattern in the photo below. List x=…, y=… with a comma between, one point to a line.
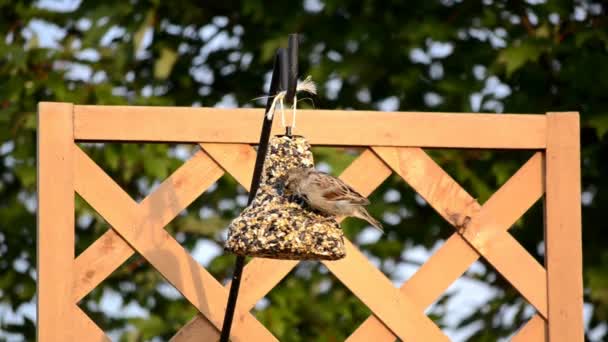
x=480, y=231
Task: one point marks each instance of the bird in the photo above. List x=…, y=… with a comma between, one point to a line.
x=327, y=194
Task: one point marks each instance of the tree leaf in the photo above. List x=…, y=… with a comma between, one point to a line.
x=516, y=56
x=164, y=64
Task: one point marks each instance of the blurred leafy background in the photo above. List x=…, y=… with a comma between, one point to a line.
x=514, y=56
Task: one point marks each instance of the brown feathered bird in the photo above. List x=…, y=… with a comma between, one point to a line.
x=328, y=194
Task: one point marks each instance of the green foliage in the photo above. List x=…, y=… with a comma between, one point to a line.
x=516, y=56
x=319, y=309
x=493, y=56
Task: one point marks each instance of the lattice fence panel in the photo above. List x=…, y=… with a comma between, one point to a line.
x=393, y=142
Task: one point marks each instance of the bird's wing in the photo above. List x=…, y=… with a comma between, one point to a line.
x=334, y=189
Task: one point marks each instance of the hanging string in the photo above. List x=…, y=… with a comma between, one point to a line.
x=282, y=112
x=293, y=115
x=293, y=112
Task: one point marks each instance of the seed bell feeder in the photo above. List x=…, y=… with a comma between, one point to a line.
x=275, y=225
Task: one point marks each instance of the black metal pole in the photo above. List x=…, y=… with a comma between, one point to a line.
x=280, y=63
x=292, y=72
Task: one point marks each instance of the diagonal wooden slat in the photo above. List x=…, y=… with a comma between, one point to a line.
x=198, y=329
x=432, y=279
x=430, y=181
x=159, y=208
x=511, y=260
x=262, y=275
x=253, y=288
x=237, y=160
x=395, y=309
x=84, y=329
x=161, y=250
x=98, y=261
x=535, y=330
x=455, y=256
x=496, y=245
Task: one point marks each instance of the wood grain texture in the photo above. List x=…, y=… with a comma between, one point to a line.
x=563, y=228
x=325, y=127
x=456, y=255
x=262, y=275
x=535, y=330
x=156, y=210
x=161, y=250
x=56, y=228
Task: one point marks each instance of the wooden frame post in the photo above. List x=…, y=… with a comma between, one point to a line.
x=563, y=253
x=55, y=221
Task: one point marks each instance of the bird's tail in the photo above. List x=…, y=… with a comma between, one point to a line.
x=363, y=214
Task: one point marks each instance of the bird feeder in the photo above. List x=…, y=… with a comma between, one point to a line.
x=282, y=227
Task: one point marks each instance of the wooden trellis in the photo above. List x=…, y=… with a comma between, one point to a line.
x=393, y=142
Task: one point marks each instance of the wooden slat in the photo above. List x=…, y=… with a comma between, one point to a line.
x=253, y=288
x=262, y=275
x=563, y=228
x=161, y=250
x=55, y=221
x=458, y=207
x=394, y=308
x=511, y=260
x=366, y=173
x=455, y=256
x=171, y=197
x=98, y=261
x=431, y=280
x=259, y=277
x=179, y=190
x=236, y=159
x=197, y=329
x=535, y=330
x=84, y=329
x=326, y=127
x=431, y=182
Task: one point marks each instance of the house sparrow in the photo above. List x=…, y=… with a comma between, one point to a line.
x=328, y=194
